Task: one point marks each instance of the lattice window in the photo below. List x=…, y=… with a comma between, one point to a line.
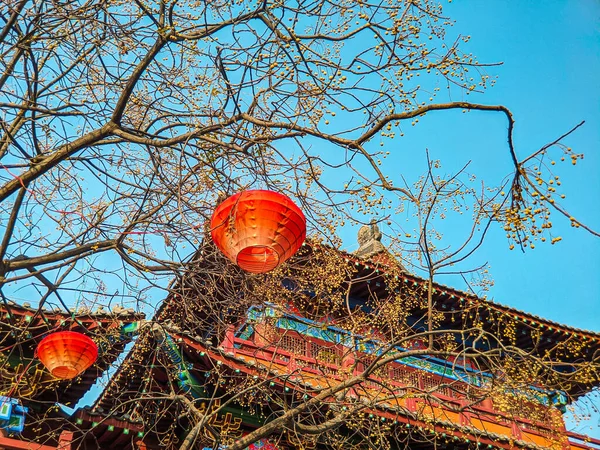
x=381, y=373
x=535, y=412
x=314, y=349
x=429, y=383
x=292, y=344
x=433, y=384
x=404, y=376
x=331, y=355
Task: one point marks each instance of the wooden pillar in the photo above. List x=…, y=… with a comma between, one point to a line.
x=516, y=431
x=464, y=415
x=262, y=334
x=348, y=361
x=291, y=365
x=229, y=340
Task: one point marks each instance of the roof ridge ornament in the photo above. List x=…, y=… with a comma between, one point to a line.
x=369, y=241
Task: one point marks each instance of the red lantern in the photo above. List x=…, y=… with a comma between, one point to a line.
x=67, y=353
x=258, y=230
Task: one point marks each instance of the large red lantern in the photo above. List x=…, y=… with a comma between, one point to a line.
x=258, y=230
x=67, y=353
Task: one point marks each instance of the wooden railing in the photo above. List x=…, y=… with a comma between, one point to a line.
x=420, y=392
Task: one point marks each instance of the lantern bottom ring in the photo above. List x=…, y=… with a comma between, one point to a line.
x=65, y=372
x=257, y=258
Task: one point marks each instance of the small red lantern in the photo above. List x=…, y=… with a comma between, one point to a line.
x=258, y=230
x=67, y=353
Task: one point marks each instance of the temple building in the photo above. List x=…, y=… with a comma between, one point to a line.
x=226, y=357
x=333, y=350
x=34, y=405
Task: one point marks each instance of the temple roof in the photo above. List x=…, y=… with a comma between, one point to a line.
x=373, y=270
x=23, y=327
x=383, y=263
x=373, y=254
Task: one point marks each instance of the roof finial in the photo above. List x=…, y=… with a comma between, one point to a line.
x=369, y=240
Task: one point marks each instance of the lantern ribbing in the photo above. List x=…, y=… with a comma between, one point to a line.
x=258, y=229
x=66, y=354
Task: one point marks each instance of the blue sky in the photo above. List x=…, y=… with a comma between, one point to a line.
x=550, y=79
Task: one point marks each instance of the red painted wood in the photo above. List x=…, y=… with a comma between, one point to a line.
x=15, y=444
